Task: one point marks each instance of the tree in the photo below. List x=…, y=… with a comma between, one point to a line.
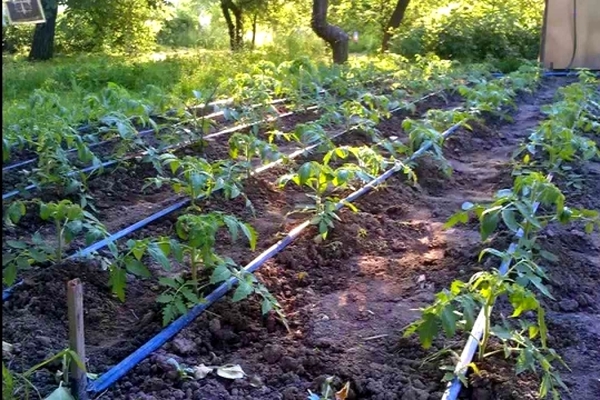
x=393, y=23
x=333, y=35
x=235, y=28
x=42, y=45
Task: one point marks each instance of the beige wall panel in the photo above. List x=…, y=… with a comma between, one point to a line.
x=558, y=41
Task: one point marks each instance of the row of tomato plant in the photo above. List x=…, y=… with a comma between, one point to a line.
x=198, y=177
x=57, y=167
x=325, y=181
x=118, y=111
x=190, y=175
x=195, y=236
x=550, y=151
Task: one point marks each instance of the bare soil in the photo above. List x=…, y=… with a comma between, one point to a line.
x=347, y=299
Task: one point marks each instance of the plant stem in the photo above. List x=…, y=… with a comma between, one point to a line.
x=59, y=246
x=486, y=331
x=194, y=268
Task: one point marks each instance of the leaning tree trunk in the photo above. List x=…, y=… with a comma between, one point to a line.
x=393, y=23
x=236, y=30
x=239, y=27
x=42, y=45
x=255, y=16
x=333, y=35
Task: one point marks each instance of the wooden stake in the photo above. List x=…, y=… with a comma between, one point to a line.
x=76, y=337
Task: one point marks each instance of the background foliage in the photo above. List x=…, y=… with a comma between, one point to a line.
x=470, y=30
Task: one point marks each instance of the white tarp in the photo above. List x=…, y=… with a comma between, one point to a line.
x=560, y=38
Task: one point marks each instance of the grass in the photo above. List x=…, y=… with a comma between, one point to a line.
x=175, y=72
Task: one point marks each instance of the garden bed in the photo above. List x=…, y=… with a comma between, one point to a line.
x=346, y=299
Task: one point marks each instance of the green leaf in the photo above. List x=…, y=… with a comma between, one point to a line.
x=427, y=330
x=117, y=281
x=15, y=244
x=9, y=274
x=38, y=256
x=221, y=273
x=459, y=217
x=468, y=306
x=136, y=267
x=250, y=233
x=266, y=306
x=548, y=256
x=501, y=332
x=501, y=255
x=508, y=216
x=232, y=225
x=177, y=250
x=45, y=211
x=189, y=295
x=165, y=247
x=168, y=314
x=60, y=393
x=243, y=290
x=178, y=302
x=157, y=255
x=170, y=282
x=489, y=222
x=541, y=314
x=164, y=298
x=448, y=320
x=15, y=211
x=545, y=386
x=75, y=227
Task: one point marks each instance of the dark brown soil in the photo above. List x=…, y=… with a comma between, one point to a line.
x=346, y=299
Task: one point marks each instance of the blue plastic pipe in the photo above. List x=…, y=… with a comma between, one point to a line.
x=91, y=168
x=118, y=371
x=8, y=291
x=124, y=232
x=453, y=388
x=551, y=73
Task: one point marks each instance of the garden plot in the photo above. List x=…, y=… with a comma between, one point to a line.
x=346, y=299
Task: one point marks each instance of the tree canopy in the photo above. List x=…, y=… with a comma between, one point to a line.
x=460, y=29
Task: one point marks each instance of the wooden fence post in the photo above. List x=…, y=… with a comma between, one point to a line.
x=77, y=337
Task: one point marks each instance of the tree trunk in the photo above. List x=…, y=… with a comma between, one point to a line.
x=230, y=26
x=239, y=27
x=333, y=35
x=236, y=30
x=254, y=30
x=393, y=23
x=42, y=45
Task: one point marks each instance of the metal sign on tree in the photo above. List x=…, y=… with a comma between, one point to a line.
x=25, y=12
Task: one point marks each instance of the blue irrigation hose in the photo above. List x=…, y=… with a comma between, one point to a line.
x=119, y=370
x=91, y=168
x=92, y=145
x=548, y=74
x=19, y=164
x=8, y=291
x=124, y=232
